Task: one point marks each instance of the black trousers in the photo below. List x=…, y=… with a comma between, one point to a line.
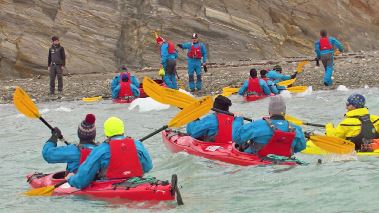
x=56, y=71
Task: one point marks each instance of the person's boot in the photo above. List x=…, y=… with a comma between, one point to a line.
x=59, y=94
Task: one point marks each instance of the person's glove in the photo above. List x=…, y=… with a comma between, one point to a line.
x=180, y=46
x=205, y=67
x=308, y=134
x=293, y=75
x=56, y=134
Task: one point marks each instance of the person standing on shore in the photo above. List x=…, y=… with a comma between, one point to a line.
x=324, y=49
x=55, y=65
x=168, y=61
x=196, y=52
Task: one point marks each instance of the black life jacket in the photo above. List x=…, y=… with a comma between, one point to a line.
x=367, y=133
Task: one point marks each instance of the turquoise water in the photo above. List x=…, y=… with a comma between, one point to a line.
x=336, y=185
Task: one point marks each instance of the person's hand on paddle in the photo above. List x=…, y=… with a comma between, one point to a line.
x=56, y=134
x=69, y=175
x=293, y=75
x=205, y=67
x=308, y=134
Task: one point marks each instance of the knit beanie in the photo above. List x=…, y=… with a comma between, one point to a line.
x=222, y=103
x=87, y=129
x=356, y=100
x=277, y=105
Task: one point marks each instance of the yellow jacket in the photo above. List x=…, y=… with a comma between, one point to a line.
x=351, y=127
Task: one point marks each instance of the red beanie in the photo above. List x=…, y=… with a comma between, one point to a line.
x=159, y=39
x=90, y=119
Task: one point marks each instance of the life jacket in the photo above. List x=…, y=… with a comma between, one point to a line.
x=254, y=88
x=225, y=123
x=367, y=133
x=280, y=142
x=171, y=47
x=325, y=44
x=265, y=79
x=125, y=87
x=195, y=52
x=124, y=161
x=84, y=152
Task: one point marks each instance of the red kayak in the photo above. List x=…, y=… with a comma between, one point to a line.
x=130, y=189
x=250, y=98
x=225, y=152
x=142, y=94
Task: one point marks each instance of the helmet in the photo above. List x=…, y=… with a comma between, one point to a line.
x=113, y=126
x=356, y=100
x=195, y=36
x=124, y=67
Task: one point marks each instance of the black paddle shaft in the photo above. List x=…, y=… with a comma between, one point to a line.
x=154, y=133
x=316, y=125
x=51, y=128
x=229, y=113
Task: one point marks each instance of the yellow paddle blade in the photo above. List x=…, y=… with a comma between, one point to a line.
x=91, y=99
x=297, y=89
x=229, y=90
x=166, y=95
x=333, y=144
x=155, y=34
x=300, y=66
x=24, y=104
x=293, y=120
x=286, y=83
x=43, y=191
x=192, y=112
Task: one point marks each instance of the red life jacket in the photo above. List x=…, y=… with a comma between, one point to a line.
x=171, y=47
x=84, y=152
x=125, y=87
x=254, y=88
x=280, y=142
x=225, y=123
x=325, y=44
x=124, y=161
x=195, y=52
x=265, y=79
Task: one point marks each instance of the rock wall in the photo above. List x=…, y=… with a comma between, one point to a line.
x=99, y=35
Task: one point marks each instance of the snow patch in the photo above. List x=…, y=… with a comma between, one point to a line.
x=342, y=88
x=147, y=104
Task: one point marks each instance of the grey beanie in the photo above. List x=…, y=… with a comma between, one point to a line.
x=277, y=105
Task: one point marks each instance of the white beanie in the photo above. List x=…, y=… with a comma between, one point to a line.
x=277, y=105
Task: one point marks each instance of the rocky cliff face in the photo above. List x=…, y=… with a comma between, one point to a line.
x=99, y=35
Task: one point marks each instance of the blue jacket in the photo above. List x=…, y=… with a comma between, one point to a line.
x=207, y=126
x=165, y=55
x=115, y=86
x=188, y=45
x=335, y=44
x=63, y=154
x=261, y=133
x=99, y=159
x=262, y=83
x=277, y=77
x=272, y=87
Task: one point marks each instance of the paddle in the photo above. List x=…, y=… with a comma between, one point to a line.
x=297, y=89
x=189, y=113
x=299, y=122
x=299, y=69
x=26, y=106
x=44, y=191
x=286, y=83
x=92, y=99
x=333, y=144
x=229, y=113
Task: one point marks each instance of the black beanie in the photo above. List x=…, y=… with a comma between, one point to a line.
x=253, y=73
x=278, y=68
x=222, y=103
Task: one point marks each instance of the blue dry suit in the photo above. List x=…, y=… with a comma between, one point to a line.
x=259, y=132
x=169, y=78
x=64, y=154
x=277, y=77
x=329, y=66
x=98, y=160
x=262, y=83
x=272, y=87
x=115, y=86
x=194, y=65
x=205, y=127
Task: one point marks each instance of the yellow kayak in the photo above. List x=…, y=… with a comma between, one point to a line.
x=91, y=99
x=312, y=149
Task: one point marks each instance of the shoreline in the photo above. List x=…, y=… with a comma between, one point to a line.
x=353, y=70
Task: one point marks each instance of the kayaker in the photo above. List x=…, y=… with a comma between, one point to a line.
x=117, y=157
x=215, y=127
x=254, y=86
x=270, y=84
x=276, y=76
x=72, y=154
x=125, y=85
x=324, y=48
x=196, y=52
x=168, y=61
x=358, y=125
x=273, y=135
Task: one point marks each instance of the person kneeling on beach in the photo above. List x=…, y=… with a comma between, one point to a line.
x=254, y=86
x=273, y=135
x=276, y=76
x=72, y=154
x=358, y=126
x=215, y=127
x=124, y=85
x=111, y=159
